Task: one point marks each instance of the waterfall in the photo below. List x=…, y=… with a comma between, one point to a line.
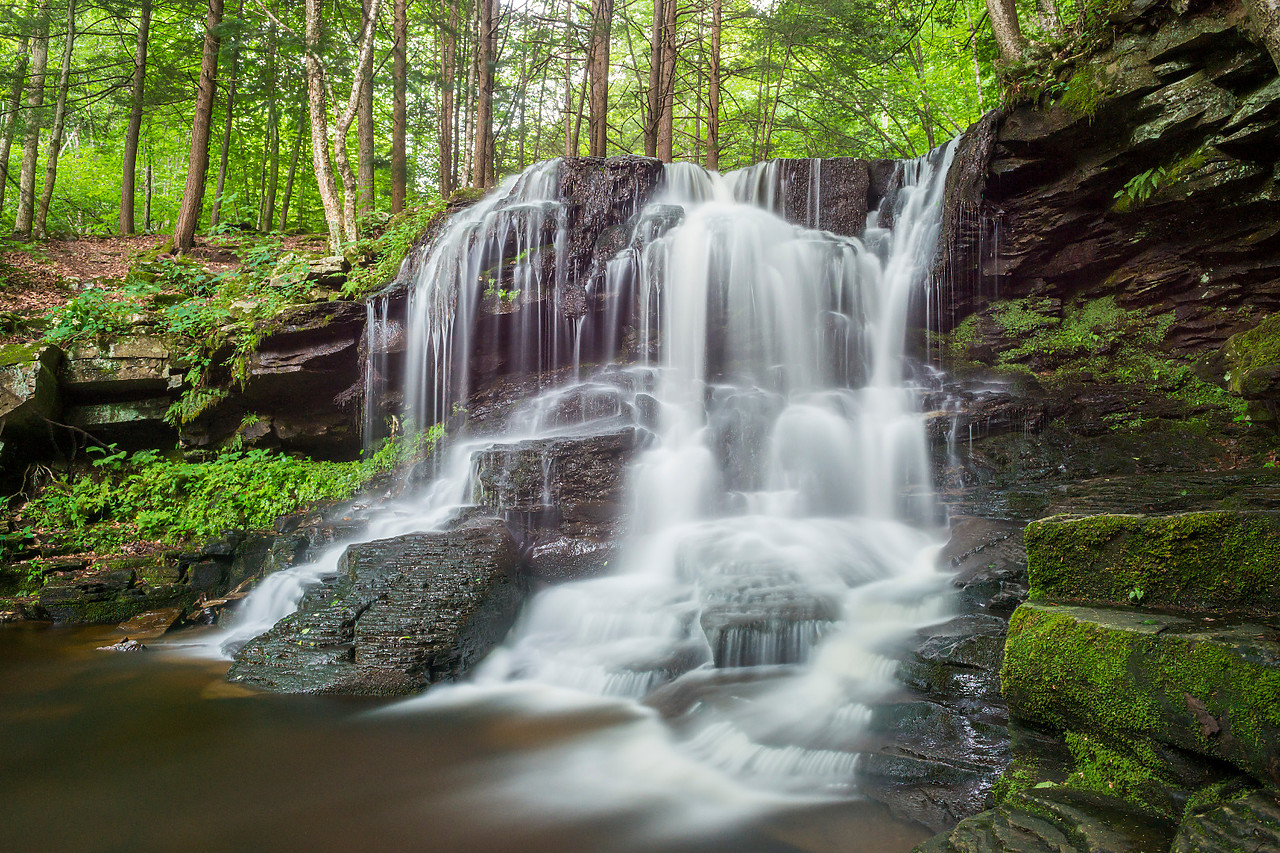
x=782, y=524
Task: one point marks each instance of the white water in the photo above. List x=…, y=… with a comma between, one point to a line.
x=783, y=528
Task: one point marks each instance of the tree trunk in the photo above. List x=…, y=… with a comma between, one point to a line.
x=184, y=232
x=135, y=120
x=293, y=162
x=13, y=108
x=31, y=142
x=1265, y=17
x=320, y=126
x=916, y=53
x=267, y=204
x=1004, y=25
x=486, y=43
x=1048, y=15
x=666, y=115
x=601, y=25
x=449, y=73
x=59, y=123
x=713, y=90
x=148, y=188
x=570, y=146
x=400, y=105
x=341, y=161
x=654, y=94
x=227, y=126
x=364, y=134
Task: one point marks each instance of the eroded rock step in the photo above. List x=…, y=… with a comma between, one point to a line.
x=401, y=614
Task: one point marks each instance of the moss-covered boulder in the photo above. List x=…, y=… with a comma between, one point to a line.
x=1248, y=822
x=1193, y=561
x=28, y=386
x=1252, y=360
x=1056, y=820
x=1203, y=686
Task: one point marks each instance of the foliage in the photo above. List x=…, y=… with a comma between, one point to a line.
x=390, y=247
x=143, y=496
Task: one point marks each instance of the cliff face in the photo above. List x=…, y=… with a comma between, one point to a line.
x=1153, y=178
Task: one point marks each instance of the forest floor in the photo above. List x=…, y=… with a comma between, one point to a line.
x=39, y=276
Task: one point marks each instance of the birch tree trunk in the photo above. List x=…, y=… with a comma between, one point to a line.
x=320, y=126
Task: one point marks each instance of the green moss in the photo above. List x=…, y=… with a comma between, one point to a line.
x=1132, y=773
x=1084, y=93
x=1075, y=669
x=17, y=354
x=1255, y=349
x=1202, y=560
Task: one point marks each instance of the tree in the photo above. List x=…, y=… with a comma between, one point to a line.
x=400, y=104
x=228, y=120
x=184, y=233
x=1004, y=26
x=601, y=26
x=59, y=123
x=135, y=119
x=13, y=114
x=486, y=56
x=24, y=218
x=364, y=133
x=713, y=89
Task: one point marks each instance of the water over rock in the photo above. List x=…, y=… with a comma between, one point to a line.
x=401, y=614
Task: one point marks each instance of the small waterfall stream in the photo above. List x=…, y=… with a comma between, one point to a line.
x=782, y=523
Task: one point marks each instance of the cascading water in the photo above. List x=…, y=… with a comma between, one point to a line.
x=782, y=527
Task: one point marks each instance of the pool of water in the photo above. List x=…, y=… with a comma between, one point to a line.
x=153, y=750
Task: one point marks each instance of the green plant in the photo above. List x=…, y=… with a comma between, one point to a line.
x=389, y=248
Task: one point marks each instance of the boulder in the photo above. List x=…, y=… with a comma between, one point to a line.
x=29, y=394
x=1195, y=561
x=127, y=368
x=400, y=615
x=1055, y=820
x=1208, y=687
x=152, y=624
x=1248, y=822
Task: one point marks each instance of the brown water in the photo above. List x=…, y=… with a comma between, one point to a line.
x=154, y=751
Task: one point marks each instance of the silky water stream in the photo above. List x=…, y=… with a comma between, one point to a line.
x=711, y=692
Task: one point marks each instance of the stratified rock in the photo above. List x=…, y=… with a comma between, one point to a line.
x=1206, y=687
x=130, y=367
x=1055, y=820
x=1196, y=561
x=152, y=624
x=401, y=614
x=1247, y=823
x=28, y=387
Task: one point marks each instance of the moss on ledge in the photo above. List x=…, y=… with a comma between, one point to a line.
x=1214, y=691
x=1194, y=561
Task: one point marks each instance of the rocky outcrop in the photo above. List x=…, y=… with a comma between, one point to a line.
x=1248, y=822
x=300, y=391
x=400, y=615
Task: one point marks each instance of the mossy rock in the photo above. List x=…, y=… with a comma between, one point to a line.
x=1246, y=823
x=1208, y=688
x=1193, y=561
x=1253, y=360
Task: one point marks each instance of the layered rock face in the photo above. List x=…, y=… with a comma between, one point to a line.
x=401, y=614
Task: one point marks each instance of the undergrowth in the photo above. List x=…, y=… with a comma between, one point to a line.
x=142, y=496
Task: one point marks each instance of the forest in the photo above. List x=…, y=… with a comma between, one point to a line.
x=185, y=118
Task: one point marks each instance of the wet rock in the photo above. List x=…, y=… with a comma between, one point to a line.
x=1196, y=561
x=558, y=558
x=152, y=624
x=989, y=559
x=401, y=614
x=1249, y=822
x=1205, y=686
x=1055, y=820
x=959, y=658
x=125, y=645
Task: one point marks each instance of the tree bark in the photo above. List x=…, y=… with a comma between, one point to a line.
x=148, y=187
x=184, y=232
x=601, y=25
x=400, y=105
x=342, y=162
x=713, y=90
x=59, y=124
x=1048, y=15
x=364, y=133
x=654, y=95
x=13, y=108
x=271, y=154
x=320, y=125
x=227, y=126
x=666, y=115
x=31, y=142
x=1265, y=17
x=486, y=45
x=1004, y=25
x=135, y=120
x=570, y=146
x=448, y=82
